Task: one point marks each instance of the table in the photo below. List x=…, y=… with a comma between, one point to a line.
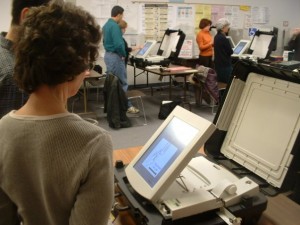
x=182, y=73
x=135, y=74
x=280, y=210
x=169, y=73
x=189, y=62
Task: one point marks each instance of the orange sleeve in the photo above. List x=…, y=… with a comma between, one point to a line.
x=204, y=41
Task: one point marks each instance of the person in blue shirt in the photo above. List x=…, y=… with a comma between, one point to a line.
x=115, y=52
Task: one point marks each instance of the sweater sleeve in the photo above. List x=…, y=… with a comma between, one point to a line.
x=203, y=41
x=95, y=195
x=8, y=211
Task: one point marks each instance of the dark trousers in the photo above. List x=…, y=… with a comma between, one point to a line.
x=206, y=61
x=223, y=73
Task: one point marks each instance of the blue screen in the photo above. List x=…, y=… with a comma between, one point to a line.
x=145, y=48
x=239, y=48
x=165, y=150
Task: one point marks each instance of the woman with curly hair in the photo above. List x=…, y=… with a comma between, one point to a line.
x=55, y=168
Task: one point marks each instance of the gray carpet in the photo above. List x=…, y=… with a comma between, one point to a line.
x=138, y=134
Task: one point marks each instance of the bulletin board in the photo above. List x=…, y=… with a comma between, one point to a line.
x=142, y=16
x=149, y=19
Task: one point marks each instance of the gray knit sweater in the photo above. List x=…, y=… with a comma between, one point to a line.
x=54, y=171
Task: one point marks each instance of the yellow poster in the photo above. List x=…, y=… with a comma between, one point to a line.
x=201, y=11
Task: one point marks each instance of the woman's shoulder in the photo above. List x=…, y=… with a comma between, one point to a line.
x=87, y=124
x=220, y=36
x=86, y=132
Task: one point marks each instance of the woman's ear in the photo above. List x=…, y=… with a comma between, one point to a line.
x=23, y=14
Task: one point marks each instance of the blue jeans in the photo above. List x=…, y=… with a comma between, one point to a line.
x=116, y=65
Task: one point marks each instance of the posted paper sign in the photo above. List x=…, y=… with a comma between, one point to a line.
x=186, y=49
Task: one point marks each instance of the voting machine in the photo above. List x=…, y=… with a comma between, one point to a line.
x=259, y=48
x=169, y=183
x=169, y=49
x=257, y=126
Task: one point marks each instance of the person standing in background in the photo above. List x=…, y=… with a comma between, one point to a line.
x=55, y=167
x=222, y=51
x=10, y=95
x=115, y=52
x=123, y=25
x=205, y=43
x=294, y=44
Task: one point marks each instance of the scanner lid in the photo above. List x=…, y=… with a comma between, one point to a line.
x=264, y=128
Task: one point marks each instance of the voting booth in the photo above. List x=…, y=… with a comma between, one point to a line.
x=264, y=42
x=252, y=150
x=169, y=49
x=260, y=47
x=169, y=183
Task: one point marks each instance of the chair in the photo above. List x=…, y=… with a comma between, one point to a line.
x=94, y=81
x=221, y=89
x=207, y=87
x=137, y=95
x=98, y=83
x=201, y=93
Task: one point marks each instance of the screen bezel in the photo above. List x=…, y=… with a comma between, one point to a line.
x=146, y=53
x=245, y=47
x=204, y=130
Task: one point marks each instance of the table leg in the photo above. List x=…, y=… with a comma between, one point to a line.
x=184, y=89
x=170, y=87
x=134, y=75
x=147, y=78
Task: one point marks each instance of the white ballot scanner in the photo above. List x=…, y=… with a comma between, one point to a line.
x=168, y=174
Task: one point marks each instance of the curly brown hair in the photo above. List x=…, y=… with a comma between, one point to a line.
x=204, y=23
x=18, y=6
x=55, y=43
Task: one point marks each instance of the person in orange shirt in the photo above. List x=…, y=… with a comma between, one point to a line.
x=205, y=42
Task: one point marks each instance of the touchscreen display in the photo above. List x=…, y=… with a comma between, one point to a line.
x=164, y=151
x=239, y=47
x=145, y=48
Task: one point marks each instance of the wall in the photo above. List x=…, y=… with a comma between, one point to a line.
x=5, y=6
x=280, y=11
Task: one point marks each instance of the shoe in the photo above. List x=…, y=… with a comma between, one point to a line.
x=133, y=110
